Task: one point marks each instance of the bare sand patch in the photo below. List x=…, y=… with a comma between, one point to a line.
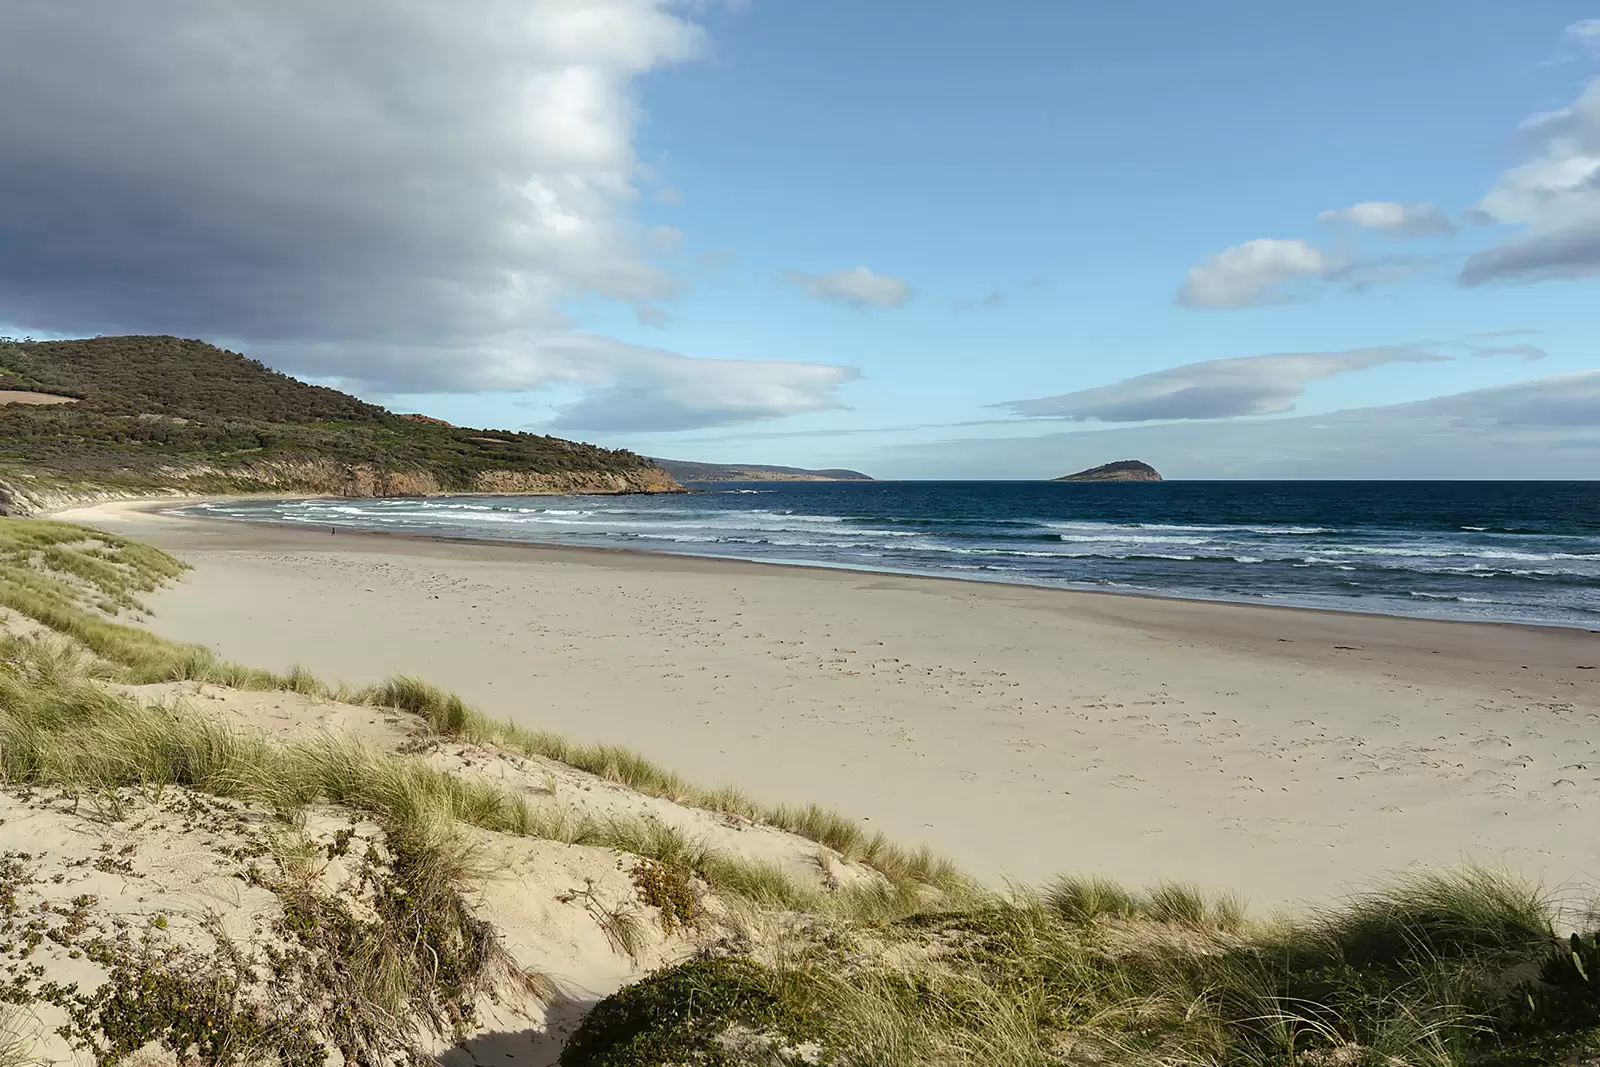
x=24, y=396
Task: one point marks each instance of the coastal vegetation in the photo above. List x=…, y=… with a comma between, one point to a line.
x=375, y=935
x=162, y=414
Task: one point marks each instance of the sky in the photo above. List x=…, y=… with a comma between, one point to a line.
x=1008, y=240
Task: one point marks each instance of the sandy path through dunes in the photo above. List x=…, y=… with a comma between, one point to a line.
x=1286, y=754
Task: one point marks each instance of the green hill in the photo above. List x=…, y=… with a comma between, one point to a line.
x=148, y=415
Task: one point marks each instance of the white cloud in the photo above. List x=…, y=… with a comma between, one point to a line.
x=665, y=240
x=1255, y=273
x=1554, y=196
x=1395, y=219
x=660, y=392
x=1585, y=33
x=1546, y=428
x=395, y=192
x=1217, y=388
x=856, y=286
x=624, y=387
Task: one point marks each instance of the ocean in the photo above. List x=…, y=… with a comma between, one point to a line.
x=1525, y=552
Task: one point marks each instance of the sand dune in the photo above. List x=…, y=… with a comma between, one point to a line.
x=1023, y=732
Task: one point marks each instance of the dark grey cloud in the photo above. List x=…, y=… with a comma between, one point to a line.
x=293, y=169
x=1215, y=389
x=1546, y=428
x=387, y=191
x=1563, y=250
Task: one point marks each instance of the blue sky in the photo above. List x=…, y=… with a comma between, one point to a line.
x=852, y=233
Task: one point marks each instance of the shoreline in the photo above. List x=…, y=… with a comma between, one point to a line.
x=1024, y=732
x=155, y=507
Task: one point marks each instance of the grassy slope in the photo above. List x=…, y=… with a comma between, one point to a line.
x=151, y=404
x=1450, y=968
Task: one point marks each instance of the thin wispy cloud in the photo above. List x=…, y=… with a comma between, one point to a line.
x=1244, y=386
x=968, y=305
x=1000, y=298
x=1217, y=388
x=1585, y=35
x=855, y=286
x=1526, y=353
x=845, y=431
x=660, y=392
x=1548, y=428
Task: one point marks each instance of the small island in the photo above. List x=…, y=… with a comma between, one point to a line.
x=1123, y=470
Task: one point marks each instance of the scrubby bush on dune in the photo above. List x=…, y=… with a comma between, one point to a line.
x=711, y=1012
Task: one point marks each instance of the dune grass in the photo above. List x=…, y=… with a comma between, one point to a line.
x=1087, y=900
x=16, y=1043
x=365, y=981
x=447, y=714
x=59, y=728
x=70, y=577
x=1463, y=973
x=74, y=580
x=1470, y=911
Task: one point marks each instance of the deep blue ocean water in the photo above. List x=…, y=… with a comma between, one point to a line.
x=1509, y=551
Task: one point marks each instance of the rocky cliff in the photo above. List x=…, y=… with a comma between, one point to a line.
x=27, y=493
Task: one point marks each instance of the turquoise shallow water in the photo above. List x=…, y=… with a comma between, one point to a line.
x=1506, y=551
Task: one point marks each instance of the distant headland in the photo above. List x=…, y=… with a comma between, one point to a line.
x=687, y=472
x=1123, y=470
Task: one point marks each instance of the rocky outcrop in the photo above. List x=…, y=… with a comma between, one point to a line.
x=25, y=494
x=638, y=480
x=1123, y=470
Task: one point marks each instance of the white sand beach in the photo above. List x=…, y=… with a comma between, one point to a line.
x=1023, y=732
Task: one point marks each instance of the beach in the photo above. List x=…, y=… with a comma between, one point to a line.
x=1288, y=755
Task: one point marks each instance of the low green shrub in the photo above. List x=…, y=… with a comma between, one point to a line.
x=706, y=1012
x=196, y=1009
